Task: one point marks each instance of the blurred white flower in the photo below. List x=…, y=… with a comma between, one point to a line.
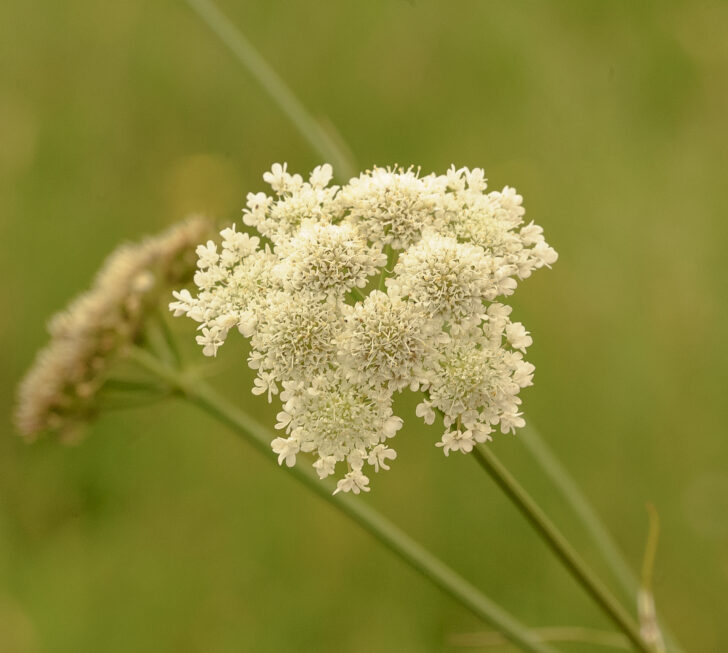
x=59, y=392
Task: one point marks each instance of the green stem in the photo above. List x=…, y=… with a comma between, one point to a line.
x=175, y=357
x=598, y=533
x=358, y=293
x=202, y=395
x=244, y=51
x=560, y=546
x=386, y=268
x=114, y=384
x=651, y=630
x=156, y=339
x=554, y=634
x=579, y=504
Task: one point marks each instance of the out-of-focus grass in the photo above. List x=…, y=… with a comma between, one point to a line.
x=161, y=532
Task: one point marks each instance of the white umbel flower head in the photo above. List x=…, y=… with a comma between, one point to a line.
x=352, y=294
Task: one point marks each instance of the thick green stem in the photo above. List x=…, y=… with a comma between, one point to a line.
x=311, y=130
x=560, y=546
x=582, y=508
x=386, y=532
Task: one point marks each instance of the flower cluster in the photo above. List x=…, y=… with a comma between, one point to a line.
x=59, y=391
x=352, y=294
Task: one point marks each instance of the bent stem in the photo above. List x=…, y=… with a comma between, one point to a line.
x=203, y=396
x=587, y=515
x=560, y=546
x=312, y=131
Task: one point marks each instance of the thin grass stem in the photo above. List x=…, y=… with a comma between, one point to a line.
x=169, y=341
x=651, y=630
x=554, y=634
x=311, y=129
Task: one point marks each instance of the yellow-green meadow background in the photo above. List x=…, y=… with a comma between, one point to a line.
x=162, y=532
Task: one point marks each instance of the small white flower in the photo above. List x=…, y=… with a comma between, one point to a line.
x=265, y=383
x=207, y=255
x=279, y=179
x=297, y=201
x=356, y=459
x=544, y=254
x=284, y=419
x=286, y=448
x=337, y=421
x=325, y=466
x=391, y=426
x=518, y=337
x=481, y=433
x=321, y=176
x=457, y=441
x=354, y=482
x=448, y=442
x=211, y=339
x=523, y=374
x=183, y=303
x=424, y=410
x=509, y=422
x=379, y=455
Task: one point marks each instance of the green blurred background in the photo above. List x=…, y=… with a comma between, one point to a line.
x=162, y=532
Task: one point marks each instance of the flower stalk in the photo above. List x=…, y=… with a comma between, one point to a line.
x=589, y=519
x=561, y=547
x=397, y=541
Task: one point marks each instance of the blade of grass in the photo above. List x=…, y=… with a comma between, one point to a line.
x=554, y=634
x=243, y=50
